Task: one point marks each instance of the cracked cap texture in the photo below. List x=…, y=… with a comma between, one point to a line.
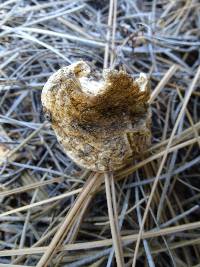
x=100, y=124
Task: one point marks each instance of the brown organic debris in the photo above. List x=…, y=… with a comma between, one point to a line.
x=101, y=124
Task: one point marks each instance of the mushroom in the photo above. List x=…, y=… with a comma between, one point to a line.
x=100, y=124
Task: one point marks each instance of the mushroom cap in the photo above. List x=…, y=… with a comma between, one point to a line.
x=100, y=124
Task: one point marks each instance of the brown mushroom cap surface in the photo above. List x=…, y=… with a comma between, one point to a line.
x=100, y=124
